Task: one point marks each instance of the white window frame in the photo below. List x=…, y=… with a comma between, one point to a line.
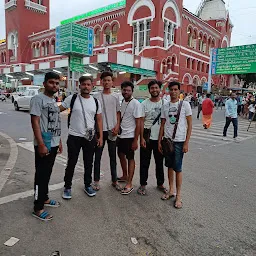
x=142, y=35
x=169, y=32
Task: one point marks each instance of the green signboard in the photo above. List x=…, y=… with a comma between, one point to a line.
x=74, y=38
x=101, y=10
x=133, y=70
x=234, y=60
x=76, y=63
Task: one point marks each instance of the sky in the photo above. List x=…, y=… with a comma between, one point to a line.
x=242, y=14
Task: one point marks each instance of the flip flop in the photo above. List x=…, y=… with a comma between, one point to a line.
x=163, y=189
x=176, y=206
x=167, y=196
x=142, y=191
x=44, y=216
x=127, y=191
x=53, y=204
x=96, y=186
x=117, y=186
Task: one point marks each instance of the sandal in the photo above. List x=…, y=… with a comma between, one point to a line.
x=44, y=216
x=141, y=191
x=167, y=196
x=53, y=204
x=127, y=191
x=162, y=189
x=117, y=186
x=96, y=186
x=121, y=179
x=178, y=204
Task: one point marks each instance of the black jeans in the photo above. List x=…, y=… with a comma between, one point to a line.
x=235, y=124
x=145, y=158
x=75, y=144
x=43, y=173
x=112, y=156
x=199, y=110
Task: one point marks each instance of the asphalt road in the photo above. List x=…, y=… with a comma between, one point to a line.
x=218, y=215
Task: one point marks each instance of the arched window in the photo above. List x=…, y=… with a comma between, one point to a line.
x=164, y=67
x=114, y=34
x=203, y=67
x=194, y=44
x=46, y=49
x=200, y=38
x=188, y=62
x=173, y=63
x=36, y=51
x=207, y=68
x=97, y=37
x=107, y=35
x=194, y=64
x=199, y=66
x=53, y=46
x=42, y=48
x=169, y=32
x=169, y=65
x=190, y=37
x=2, y=57
x=205, y=44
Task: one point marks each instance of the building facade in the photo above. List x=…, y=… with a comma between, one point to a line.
x=178, y=41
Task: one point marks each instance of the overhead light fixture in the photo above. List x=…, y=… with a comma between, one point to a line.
x=9, y=76
x=56, y=71
x=87, y=74
x=136, y=61
x=25, y=78
x=93, y=67
x=122, y=72
x=30, y=74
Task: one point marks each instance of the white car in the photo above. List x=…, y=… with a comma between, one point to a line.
x=23, y=101
x=21, y=90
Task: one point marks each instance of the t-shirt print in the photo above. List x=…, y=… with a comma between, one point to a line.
x=54, y=121
x=153, y=114
x=173, y=114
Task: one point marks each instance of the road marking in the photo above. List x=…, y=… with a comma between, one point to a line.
x=26, y=194
x=5, y=173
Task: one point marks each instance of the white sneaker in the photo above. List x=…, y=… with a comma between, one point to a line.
x=225, y=138
x=236, y=140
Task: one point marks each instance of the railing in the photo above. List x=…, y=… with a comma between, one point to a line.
x=11, y=4
x=34, y=6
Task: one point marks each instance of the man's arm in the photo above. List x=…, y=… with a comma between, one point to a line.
x=142, y=140
x=117, y=127
x=35, y=122
x=100, y=127
x=189, y=132
x=137, y=134
x=161, y=134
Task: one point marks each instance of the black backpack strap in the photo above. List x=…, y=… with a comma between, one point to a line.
x=71, y=107
x=95, y=117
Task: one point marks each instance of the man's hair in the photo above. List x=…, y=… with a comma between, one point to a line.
x=51, y=75
x=171, y=84
x=127, y=84
x=153, y=82
x=84, y=78
x=208, y=95
x=105, y=74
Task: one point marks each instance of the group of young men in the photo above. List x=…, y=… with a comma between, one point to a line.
x=162, y=127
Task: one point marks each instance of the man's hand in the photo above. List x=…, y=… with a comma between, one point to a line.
x=185, y=147
x=160, y=148
x=135, y=145
x=115, y=130
x=100, y=142
x=143, y=143
x=60, y=150
x=42, y=150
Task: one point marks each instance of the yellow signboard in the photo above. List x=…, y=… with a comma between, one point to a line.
x=2, y=41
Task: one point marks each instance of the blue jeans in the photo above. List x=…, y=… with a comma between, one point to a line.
x=175, y=159
x=235, y=124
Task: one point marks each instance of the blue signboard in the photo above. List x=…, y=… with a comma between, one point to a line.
x=205, y=86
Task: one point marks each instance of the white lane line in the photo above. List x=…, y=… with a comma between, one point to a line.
x=26, y=194
x=5, y=173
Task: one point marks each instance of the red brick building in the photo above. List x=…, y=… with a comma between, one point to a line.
x=157, y=35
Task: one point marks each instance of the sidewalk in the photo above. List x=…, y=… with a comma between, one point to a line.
x=4, y=152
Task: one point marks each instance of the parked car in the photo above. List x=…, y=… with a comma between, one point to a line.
x=23, y=101
x=21, y=90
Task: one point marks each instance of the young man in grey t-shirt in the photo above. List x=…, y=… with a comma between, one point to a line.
x=111, y=122
x=46, y=125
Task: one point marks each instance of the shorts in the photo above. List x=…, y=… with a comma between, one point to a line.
x=124, y=146
x=175, y=159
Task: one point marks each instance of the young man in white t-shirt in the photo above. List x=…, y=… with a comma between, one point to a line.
x=130, y=131
x=85, y=116
x=170, y=119
x=111, y=124
x=150, y=126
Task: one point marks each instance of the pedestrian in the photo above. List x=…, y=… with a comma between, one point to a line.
x=251, y=111
x=200, y=102
x=150, y=126
x=231, y=116
x=111, y=124
x=174, y=136
x=239, y=100
x=46, y=125
x=129, y=134
x=85, y=116
x=207, y=109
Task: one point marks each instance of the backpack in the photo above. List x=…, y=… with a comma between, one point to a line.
x=72, y=105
